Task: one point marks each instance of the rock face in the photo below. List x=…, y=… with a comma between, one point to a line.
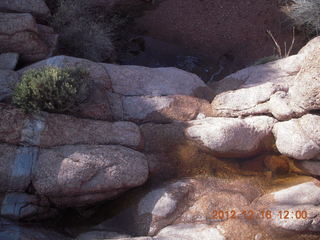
x=299, y=138
x=73, y=175
x=77, y=175
x=49, y=130
x=135, y=80
x=285, y=88
x=232, y=137
x=20, y=33
x=35, y=7
x=64, y=130
x=93, y=172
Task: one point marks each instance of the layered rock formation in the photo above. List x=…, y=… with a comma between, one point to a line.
x=163, y=124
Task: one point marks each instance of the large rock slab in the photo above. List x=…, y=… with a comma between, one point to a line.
x=285, y=88
x=299, y=138
x=78, y=175
x=35, y=7
x=66, y=130
x=232, y=137
x=49, y=130
x=141, y=81
x=137, y=93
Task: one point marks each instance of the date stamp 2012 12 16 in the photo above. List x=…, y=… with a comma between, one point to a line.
x=263, y=214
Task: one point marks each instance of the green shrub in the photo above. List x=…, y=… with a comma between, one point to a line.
x=305, y=14
x=82, y=31
x=51, y=89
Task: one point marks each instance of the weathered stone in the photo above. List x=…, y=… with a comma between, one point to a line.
x=8, y=61
x=232, y=137
x=78, y=175
x=19, y=33
x=164, y=109
x=8, y=81
x=35, y=7
x=48, y=130
x=299, y=138
x=285, y=88
x=66, y=130
x=141, y=81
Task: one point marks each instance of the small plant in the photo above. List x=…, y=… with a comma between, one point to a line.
x=305, y=14
x=51, y=89
x=285, y=52
x=280, y=52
